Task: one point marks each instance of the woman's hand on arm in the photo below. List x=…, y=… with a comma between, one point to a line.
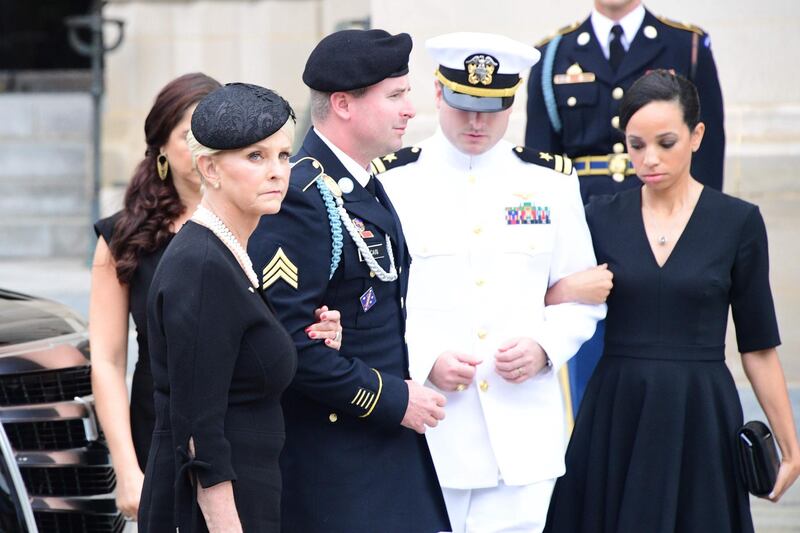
x=590, y=287
x=327, y=327
x=763, y=369
x=108, y=334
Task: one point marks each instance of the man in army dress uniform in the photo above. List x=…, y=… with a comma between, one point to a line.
x=490, y=226
x=355, y=459
x=573, y=102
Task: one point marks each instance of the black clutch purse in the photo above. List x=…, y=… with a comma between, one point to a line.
x=758, y=457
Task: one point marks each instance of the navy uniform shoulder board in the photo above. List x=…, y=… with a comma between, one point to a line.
x=557, y=162
x=561, y=31
x=396, y=159
x=682, y=25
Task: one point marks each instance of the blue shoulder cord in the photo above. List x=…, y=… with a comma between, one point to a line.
x=547, y=84
x=336, y=225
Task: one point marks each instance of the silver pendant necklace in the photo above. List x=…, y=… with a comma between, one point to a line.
x=206, y=217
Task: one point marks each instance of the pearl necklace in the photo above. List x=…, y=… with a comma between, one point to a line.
x=206, y=217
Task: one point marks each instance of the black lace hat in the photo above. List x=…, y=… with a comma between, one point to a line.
x=353, y=59
x=238, y=115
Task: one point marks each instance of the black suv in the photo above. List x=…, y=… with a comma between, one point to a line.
x=55, y=473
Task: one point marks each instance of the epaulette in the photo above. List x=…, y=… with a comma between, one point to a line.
x=682, y=25
x=557, y=162
x=561, y=31
x=396, y=159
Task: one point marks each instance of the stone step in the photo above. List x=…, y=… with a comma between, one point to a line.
x=46, y=236
x=44, y=196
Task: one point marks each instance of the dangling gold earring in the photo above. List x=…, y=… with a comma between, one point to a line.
x=162, y=165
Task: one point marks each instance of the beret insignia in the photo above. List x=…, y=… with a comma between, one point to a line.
x=559, y=163
x=399, y=158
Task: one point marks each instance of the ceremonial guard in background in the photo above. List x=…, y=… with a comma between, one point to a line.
x=354, y=459
x=573, y=105
x=490, y=226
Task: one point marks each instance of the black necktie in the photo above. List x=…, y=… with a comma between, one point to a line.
x=615, y=49
x=370, y=186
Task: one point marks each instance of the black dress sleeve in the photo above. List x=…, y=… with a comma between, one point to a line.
x=203, y=333
x=751, y=297
x=105, y=227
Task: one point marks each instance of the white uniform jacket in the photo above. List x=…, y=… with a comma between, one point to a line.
x=478, y=278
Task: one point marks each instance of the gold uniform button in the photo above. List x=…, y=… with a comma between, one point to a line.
x=477, y=230
x=471, y=179
x=618, y=148
x=572, y=101
x=532, y=246
x=333, y=417
x=484, y=385
x=479, y=282
x=371, y=274
x=615, y=122
x=617, y=93
x=618, y=177
x=482, y=334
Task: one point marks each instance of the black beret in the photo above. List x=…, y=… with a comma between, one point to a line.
x=238, y=115
x=353, y=59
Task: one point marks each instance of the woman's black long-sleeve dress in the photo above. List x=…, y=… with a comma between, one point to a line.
x=220, y=362
x=141, y=410
x=653, y=449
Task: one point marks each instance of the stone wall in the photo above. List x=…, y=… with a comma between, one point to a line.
x=45, y=173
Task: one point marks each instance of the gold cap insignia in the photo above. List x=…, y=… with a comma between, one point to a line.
x=480, y=69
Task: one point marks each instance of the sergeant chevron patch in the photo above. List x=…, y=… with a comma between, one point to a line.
x=279, y=267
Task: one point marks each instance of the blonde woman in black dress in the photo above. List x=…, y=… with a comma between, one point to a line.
x=653, y=447
x=220, y=358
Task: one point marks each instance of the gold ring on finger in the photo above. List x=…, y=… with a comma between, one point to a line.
x=460, y=387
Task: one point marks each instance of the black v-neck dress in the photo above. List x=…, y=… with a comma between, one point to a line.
x=653, y=445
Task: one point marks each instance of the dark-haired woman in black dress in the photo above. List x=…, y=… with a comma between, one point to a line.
x=653, y=449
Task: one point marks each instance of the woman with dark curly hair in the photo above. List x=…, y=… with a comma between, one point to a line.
x=162, y=195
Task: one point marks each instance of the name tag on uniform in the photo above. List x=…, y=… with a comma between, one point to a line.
x=377, y=251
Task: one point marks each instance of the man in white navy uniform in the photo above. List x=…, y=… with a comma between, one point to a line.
x=490, y=227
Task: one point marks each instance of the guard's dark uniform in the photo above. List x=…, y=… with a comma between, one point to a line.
x=573, y=106
x=585, y=92
x=348, y=465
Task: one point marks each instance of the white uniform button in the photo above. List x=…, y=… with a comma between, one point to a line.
x=618, y=148
x=402, y=302
x=615, y=122
x=371, y=274
x=482, y=334
x=617, y=93
x=484, y=385
x=571, y=101
x=333, y=417
x=400, y=270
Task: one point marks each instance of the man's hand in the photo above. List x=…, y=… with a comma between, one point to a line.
x=518, y=359
x=454, y=371
x=425, y=407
